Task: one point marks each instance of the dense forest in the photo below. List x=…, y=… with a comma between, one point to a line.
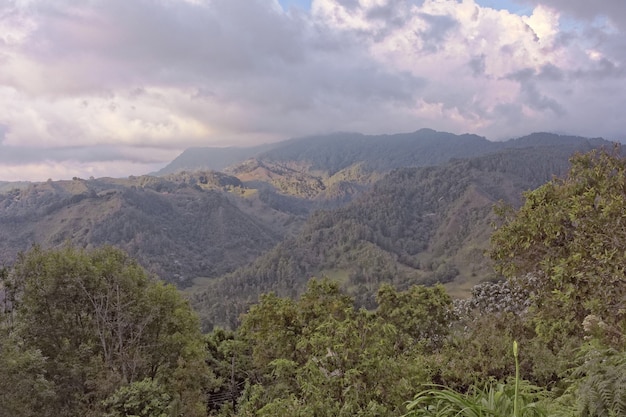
x=89, y=332
x=414, y=226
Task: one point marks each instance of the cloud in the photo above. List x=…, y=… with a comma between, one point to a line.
x=613, y=10
x=126, y=84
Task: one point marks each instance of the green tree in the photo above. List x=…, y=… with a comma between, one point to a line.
x=230, y=361
x=422, y=315
x=570, y=235
x=144, y=398
x=24, y=389
x=320, y=356
x=102, y=323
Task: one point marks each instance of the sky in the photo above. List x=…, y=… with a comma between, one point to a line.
x=118, y=87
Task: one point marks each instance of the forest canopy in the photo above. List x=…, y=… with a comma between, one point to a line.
x=93, y=332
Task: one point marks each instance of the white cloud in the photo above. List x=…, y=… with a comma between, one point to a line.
x=162, y=76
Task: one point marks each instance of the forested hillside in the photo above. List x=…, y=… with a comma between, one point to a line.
x=215, y=159
x=415, y=226
x=411, y=220
x=89, y=333
x=179, y=227
x=301, y=175
x=326, y=155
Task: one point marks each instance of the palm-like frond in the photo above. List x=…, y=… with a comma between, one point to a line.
x=496, y=400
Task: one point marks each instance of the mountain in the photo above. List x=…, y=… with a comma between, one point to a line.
x=332, y=153
x=406, y=208
x=209, y=158
x=326, y=155
x=320, y=172
x=416, y=225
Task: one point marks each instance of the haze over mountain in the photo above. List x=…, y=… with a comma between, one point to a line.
x=329, y=154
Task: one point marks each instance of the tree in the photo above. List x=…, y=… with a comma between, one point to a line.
x=24, y=389
x=102, y=324
x=422, y=315
x=320, y=356
x=570, y=234
x=144, y=398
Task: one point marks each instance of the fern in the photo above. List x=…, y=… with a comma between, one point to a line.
x=602, y=387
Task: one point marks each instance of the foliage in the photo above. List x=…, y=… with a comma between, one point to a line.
x=600, y=382
x=143, y=398
x=180, y=227
x=495, y=400
x=320, y=356
x=494, y=316
x=421, y=315
x=229, y=359
x=571, y=234
x=102, y=323
x=414, y=226
x=24, y=389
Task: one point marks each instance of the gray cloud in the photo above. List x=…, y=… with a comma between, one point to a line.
x=615, y=10
x=438, y=27
x=169, y=42
x=477, y=65
x=17, y=155
x=138, y=81
x=529, y=81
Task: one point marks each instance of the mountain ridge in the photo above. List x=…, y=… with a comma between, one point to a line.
x=407, y=209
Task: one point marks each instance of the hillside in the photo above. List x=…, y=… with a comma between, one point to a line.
x=180, y=227
x=328, y=155
x=416, y=225
x=91, y=333
x=209, y=158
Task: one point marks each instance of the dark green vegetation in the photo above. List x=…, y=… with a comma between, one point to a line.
x=88, y=333
x=197, y=222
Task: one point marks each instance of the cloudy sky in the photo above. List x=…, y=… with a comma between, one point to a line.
x=119, y=87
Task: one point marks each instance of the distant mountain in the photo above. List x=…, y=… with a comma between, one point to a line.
x=211, y=158
x=327, y=155
x=332, y=153
x=303, y=174
x=550, y=139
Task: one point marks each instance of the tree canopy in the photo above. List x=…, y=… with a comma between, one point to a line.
x=94, y=325
x=570, y=236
